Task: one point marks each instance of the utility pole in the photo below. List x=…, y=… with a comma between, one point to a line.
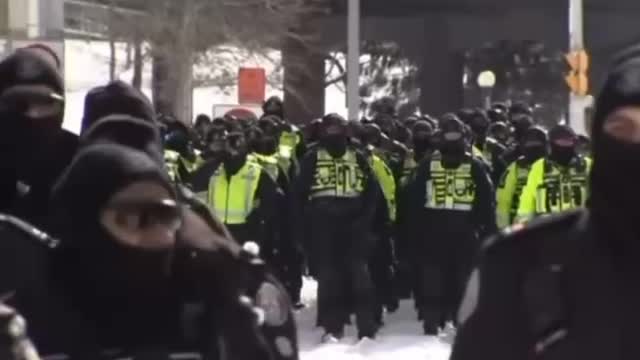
x=578, y=99
x=353, y=60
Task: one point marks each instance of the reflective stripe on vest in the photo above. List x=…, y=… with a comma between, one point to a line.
x=269, y=164
x=340, y=178
x=408, y=168
x=562, y=189
x=450, y=189
x=387, y=183
x=171, y=159
x=232, y=200
x=522, y=175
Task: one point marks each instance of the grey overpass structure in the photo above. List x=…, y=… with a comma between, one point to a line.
x=434, y=34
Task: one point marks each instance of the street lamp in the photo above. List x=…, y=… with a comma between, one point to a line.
x=486, y=81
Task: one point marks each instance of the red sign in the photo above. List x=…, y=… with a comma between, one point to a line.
x=252, y=83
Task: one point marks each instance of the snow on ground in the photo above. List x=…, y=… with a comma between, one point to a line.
x=399, y=339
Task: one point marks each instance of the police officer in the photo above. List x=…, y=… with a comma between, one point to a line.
x=180, y=157
x=239, y=192
x=535, y=146
x=291, y=142
x=557, y=182
x=422, y=147
x=200, y=128
x=130, y=259
x=35, y=147
x=562, y=288
x=282, y=168
x=334, y=199
x=383, y=262
x=520, y=123
x=492, y=151
x=450, y=206
x=500, y=132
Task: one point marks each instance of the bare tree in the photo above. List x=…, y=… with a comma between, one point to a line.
x=179, y=32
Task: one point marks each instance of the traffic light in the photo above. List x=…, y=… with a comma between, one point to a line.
x=577, y=78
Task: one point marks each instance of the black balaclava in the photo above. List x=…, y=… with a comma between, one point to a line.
x=496, y=115
x=216, y=143
x=535, y=144
x=479, y=124
x=334, y=137
x=274, y=106
x=521, y=123
x=125, y=130
x=452, y=139
x=500, y=132
x=27, y=142
x=235, y=152
x=386, y=124
x=562, y=154
x=116, y=97
x=268, y=144
x=616, y=168
x=371, y=135
x=422, y=138
x=124, y=291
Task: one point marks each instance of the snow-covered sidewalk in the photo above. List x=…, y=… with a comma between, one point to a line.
x=399, y=339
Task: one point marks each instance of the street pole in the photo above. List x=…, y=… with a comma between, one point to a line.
x=577, y=103
x=353, y=60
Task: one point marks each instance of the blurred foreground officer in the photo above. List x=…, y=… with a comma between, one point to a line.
x=565, y=287
x=34, y=146
x=238, y=191
x=535, y=145
x=450, y=206
x=130, y=266
x=334, y=201
x=558, y=182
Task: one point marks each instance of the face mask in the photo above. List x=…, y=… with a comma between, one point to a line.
x=335, y=144
x=616, y=175
x=562, y=154
x=267, y=145
x=421, y=144
x=532, y=153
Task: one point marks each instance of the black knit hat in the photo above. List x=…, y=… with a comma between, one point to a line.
x=126, y=130
x=25, y=67
x=116, y=98
x=25, y=72
x=96, y=174
x=622, y=88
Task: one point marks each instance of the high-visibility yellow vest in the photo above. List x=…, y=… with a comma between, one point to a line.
x=269, y=163
x=450, y=189
x=171, y=160
x=342, y=178
x=232, y=199
x=288, y=142
x=387, y=183
x=408, y=167
x=509, y=191
x=551, y=188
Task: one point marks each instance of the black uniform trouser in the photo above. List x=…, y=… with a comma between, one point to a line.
x=443, y=275
x=381, y=266
x=344, y=278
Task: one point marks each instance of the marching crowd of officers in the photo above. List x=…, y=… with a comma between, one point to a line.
x=165, y=238
x=379, y=209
